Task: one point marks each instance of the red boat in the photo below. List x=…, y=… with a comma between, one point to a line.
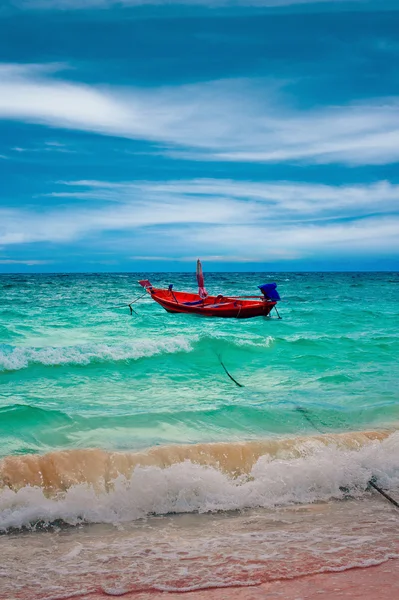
x=238, y=307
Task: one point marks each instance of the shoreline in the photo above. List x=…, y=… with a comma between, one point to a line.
x=357, y=583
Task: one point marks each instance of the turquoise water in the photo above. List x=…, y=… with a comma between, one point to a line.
x=75, y=372
x=150, y=470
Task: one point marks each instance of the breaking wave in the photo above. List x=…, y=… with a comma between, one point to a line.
x=94, y=486
x=15, y=358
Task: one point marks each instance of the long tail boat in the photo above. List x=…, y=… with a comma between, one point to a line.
x=238, y=307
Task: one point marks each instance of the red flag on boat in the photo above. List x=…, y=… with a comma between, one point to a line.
x=200, y=278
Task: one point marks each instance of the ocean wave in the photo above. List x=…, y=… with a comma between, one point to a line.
x=23, y=415
x=14, y=358
x=94, y=486
x=26, y=429
x=263, y=342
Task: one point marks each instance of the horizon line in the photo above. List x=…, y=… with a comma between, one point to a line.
x=184, y=272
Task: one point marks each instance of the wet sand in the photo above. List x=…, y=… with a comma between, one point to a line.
x=378, y=582
x=346, y=549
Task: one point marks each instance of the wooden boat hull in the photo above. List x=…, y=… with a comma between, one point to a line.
x=211, y=306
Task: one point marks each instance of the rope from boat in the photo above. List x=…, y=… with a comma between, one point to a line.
x=373, y=484
x=373, y=481
x=227, y=373
x=129, y=304
x=304, y=412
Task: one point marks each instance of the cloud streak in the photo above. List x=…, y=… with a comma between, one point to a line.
x=231, y=120
x=255, y=221
x=288, y=200
x=27, y=262
x=88, y=4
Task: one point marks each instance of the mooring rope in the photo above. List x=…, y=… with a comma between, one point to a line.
x=129, y=304
x=373, y=481
x=305, y=414
x=227, y=373
x=373, y=484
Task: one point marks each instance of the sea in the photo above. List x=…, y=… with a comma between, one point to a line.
x=131, y=462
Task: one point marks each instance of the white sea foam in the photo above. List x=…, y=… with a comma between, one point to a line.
x=15, y=358
x=21, y=357
x=319, y=473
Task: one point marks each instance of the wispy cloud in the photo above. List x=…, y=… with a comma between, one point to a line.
x=288, y=200
x=219, y=258
x=46, y=147
x=279, y=220
x=372, y=236
x=55, y=145
x=86, y=4
x=231, y=120
x=28, y=263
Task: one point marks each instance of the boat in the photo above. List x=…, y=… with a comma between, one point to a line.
x=238, y=307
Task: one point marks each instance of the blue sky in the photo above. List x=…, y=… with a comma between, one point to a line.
x=138, y=135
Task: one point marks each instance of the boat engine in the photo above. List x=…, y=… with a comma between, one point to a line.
x=269, y=290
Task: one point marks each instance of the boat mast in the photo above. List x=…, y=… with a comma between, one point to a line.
x=200, y=279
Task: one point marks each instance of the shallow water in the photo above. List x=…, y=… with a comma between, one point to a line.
x=197, y=552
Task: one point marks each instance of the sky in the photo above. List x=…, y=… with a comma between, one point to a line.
x=258, y=135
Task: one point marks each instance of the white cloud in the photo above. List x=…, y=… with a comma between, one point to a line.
x=136, y=210
x=29, y=263
x=372, y=237
x=219, y=258
x=234, y=120
x=255, y=221
x=287, y=200
x=46, y=147
x=86, y=4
